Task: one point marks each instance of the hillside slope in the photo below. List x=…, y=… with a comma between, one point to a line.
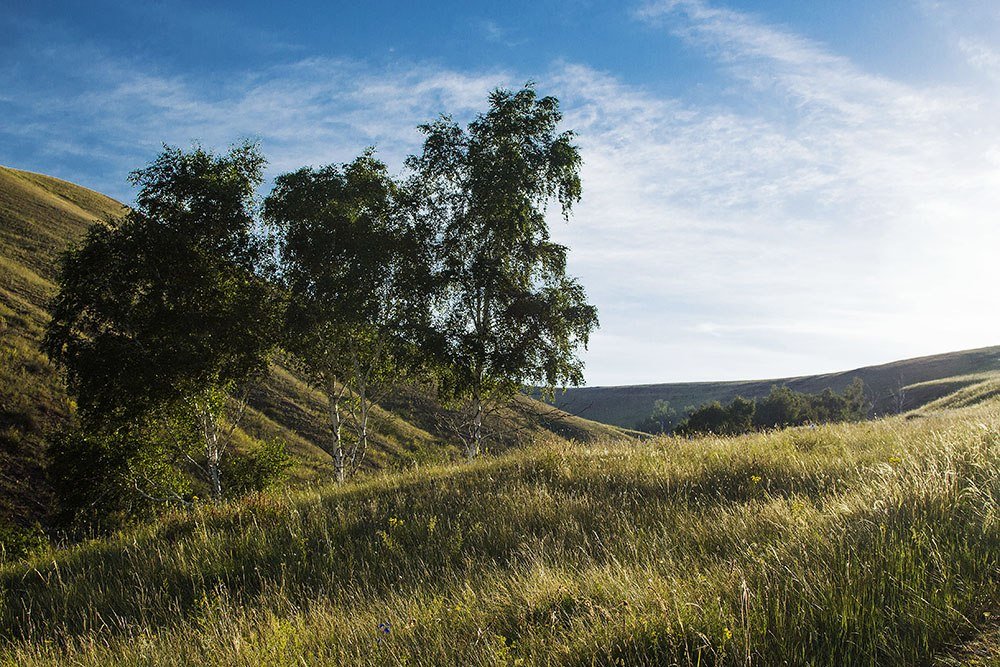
x=874, y=543
x=40, y=217
x=893, y=387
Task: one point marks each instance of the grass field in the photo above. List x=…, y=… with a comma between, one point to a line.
x=854, y=544
x=875, y=543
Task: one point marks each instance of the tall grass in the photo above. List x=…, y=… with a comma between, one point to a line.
x=863, y=544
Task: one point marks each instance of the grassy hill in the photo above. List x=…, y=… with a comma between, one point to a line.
x=875, y=543
x=40, y=217
x=893, y=387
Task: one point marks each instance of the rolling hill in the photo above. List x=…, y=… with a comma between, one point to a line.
x=893, y=387
x=872, y=543
x=40, y=217
x=865, y=543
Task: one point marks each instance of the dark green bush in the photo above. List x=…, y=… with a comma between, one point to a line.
x=257, y=469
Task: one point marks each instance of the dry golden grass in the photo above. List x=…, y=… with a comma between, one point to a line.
x=853, y=544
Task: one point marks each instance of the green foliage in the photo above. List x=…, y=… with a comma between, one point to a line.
x=106, y=479
x=18, y=542
x=256, y=469
x=661, y=420
x=169, y=300
x=168, y=309
x=357, y=271
x=350, y=260
x=732, y=419
x=782, y=407
x=508, y=313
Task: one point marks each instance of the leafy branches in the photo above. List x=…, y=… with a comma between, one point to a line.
x=506, y=312
x=355, y=270
x=168, y=309
x=167, y=316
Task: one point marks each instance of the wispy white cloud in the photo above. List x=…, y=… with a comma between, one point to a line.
x=972, y=27
x=828, y=212
x=981, y=55
x=494, y=32
x=311, y=111
x=813, y=216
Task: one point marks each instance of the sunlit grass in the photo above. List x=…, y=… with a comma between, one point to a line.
x=872, y=543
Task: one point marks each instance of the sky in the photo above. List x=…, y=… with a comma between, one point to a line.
x=771, y=187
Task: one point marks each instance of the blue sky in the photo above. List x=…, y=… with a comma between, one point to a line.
x=770, y=188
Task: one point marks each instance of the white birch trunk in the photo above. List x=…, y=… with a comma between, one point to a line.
x=213, y=452
x=338, y=443
x=477, y=429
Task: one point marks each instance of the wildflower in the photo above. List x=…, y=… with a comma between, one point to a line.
x=384, y=627
x=755, y=479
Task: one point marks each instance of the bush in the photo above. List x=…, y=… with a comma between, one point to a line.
x=732, y=419
x=102, y=481
x=17, y=542
x=782, y=407
x=257, y=469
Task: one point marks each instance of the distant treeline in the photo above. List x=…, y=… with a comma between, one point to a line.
x=782, y=407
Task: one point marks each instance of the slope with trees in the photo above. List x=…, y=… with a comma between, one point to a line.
x=39, y=215
x=357, y=275
x=163, y=321
x=166, y=319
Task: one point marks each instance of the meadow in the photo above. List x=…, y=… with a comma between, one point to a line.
x=875, y=543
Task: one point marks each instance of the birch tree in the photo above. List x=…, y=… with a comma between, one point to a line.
x=356, y=269
x=508, y=313
x=168, y=310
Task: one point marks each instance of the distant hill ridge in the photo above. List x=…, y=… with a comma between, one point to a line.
x=40, y=217
x=893, y=387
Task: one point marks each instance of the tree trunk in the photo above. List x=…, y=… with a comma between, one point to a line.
x=472, y=450
x=213, y=455
x=338, y=444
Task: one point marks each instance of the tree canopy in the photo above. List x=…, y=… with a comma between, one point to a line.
x=781, y=407
x=357, y=272
x=508, y=313
x=172, y=302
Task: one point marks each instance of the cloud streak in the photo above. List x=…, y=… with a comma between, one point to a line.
x=812, y=216
x=828, y=213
